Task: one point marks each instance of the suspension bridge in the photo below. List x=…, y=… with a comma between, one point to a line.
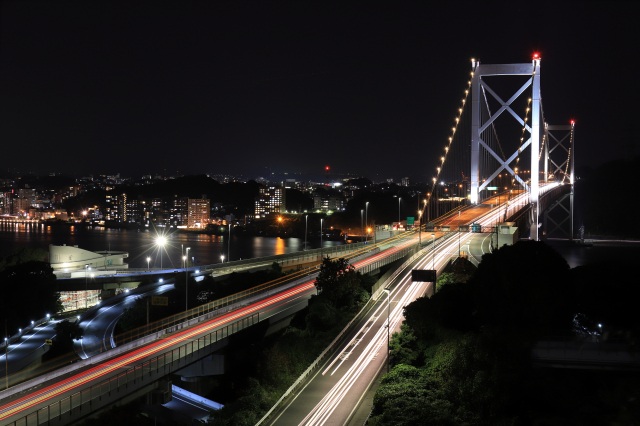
x=501, y=145
x=501, y=156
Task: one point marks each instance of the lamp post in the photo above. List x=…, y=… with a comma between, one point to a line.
x=86, y=267
x=6, y=354
x=458, y=233
x=362, y=221
x=321, y=219
x=160, y=242
x=229, y=244
x=222, y=258
x=366, y=220
x=306, y=222
x=186, y=279
x=433, y=262
x=148, y=260
x=399, y=199
x=388, y=324
x=419, y=228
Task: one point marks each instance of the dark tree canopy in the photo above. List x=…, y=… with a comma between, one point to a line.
x=525, y=286
x=28, y=293
x=338, y=282
x=464, y=356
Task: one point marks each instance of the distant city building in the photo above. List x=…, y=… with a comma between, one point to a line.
x=21, y=206
x=405, y=181
x=327, y=203
x=271, y=199
x=199, y=213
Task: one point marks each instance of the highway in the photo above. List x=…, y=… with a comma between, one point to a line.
x=38, y=395
x=89, y=379
x=333, y=394
x=98, y=326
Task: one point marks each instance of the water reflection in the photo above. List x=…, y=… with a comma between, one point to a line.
x=204, y=249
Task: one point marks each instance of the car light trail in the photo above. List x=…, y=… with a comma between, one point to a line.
x=321, y=413
x=36, y=399
x=24, y=403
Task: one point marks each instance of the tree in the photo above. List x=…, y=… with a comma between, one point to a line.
x=66, y=332
x=511, y=293
x=28, y=293
x=339, y=282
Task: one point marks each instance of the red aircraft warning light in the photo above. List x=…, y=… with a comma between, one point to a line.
x=326, y=168
x=536, y=56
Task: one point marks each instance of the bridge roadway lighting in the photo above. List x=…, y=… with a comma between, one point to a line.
x=148, y=260
x=386, y=290
x=186, y=279
x=229, y=245
x=399, y=199
x=361, y=222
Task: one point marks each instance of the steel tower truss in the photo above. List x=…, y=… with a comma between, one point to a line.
x=559, y=167
x=482, y=120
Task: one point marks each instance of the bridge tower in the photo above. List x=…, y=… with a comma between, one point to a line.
x=484, y=124
x=559, y=157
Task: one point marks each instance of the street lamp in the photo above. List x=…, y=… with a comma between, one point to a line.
x=388, y=324
x=321, y=219
x=222, y=258
x=6, y=354
x=419, y=228
x=229, y=244
x=366, y=219
x=399, y=199
x=6, y=362
x=148, y=260
x=458, y=233
x=160, y=242
x=186, y=279
x=433, y=262
x=361, y=221
x=306, y=217
x=86, y=267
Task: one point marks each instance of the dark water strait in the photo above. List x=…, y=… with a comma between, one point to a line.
x=208, y=249
x=204, y=249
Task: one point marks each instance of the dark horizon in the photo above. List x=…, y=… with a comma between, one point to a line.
x=260, y=88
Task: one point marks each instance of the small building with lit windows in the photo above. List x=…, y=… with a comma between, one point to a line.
x=271, y=199
x=74, y=262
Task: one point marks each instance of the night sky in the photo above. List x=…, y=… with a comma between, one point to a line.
x=255, y=88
